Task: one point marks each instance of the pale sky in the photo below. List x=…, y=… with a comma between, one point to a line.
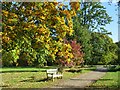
x=113, y=26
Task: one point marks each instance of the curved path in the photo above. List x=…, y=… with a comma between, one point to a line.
x=83, y=80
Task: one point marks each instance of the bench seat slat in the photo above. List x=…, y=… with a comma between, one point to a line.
x=52, y=73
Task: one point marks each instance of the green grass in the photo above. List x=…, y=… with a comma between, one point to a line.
x=23, y=69
x=110, y=80
x=31, y=69
x=31, y=79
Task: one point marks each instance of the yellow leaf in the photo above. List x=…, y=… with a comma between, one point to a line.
x=68, y=60
x=5, y=13
x=42, y=17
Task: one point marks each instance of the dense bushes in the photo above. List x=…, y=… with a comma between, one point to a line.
x=114, y=68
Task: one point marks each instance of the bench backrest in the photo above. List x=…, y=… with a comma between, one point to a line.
x=52, y=71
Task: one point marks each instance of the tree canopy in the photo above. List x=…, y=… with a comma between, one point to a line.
x=46, y=33
x=33, y=31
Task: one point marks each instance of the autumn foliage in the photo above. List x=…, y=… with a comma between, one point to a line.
x=33, y=32
x=76, y=54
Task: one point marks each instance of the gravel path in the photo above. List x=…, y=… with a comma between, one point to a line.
x=83, y=80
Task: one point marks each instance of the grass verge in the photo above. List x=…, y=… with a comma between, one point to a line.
x=110, y=80
x=24, y=69
x=33, y=79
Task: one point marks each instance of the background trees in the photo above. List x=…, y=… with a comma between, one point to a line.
x=83, y=36
x=94, y=16
x=117, y=53
x=47, y=33
x=89, y=30
x=103, y=49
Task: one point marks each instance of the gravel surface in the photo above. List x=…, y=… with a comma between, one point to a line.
x=83, y=80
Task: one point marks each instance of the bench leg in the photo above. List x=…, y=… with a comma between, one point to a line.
x=57, y=77
x=52, y=78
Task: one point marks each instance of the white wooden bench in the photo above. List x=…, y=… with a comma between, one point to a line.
x=53, y=73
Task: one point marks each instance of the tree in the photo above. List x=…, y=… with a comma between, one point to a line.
x=103, y=49
x=76, y=54
x=118, y=53
x=94, y=16
x=32, y=27
x=83, y=36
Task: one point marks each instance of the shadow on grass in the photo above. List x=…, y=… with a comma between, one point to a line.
x=101, y=70
x=103, y=88
x=90, y=79
x=42, y=80
x=23, y=71
x=33, y=79
x=4, y=85
x=114, y=70
x=105, y=79
x=74, y=70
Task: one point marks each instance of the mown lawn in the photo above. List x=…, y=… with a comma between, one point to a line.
x=110, y=80
x=31, y=78
x=23, y=69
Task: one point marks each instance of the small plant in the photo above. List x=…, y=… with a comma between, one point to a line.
x=60, y=69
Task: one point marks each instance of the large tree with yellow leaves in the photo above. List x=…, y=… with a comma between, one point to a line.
x=33, y=32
